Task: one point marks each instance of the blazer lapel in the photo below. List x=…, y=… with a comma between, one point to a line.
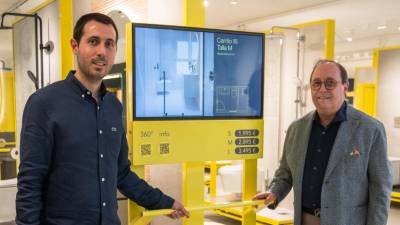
x=342, y=141
x=304, y=137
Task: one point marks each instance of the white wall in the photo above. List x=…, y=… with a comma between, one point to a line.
x=6, y=51
x=387, y=104
x=358, y=53
x=165, y=12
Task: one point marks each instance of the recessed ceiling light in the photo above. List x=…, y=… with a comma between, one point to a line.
x=349, y=39
x=234, y=2
x=382, y=27
x=205, y=3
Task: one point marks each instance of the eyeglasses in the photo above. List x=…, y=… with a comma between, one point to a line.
x=329, y=83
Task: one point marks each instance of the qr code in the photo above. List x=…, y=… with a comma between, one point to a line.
x=145, y=149
x=164, y=148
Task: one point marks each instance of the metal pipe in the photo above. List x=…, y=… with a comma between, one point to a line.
x=36, y=50
x=37, y=46
x=41, y=51
x=280, y=107
x=3, y=67
x=298, y=100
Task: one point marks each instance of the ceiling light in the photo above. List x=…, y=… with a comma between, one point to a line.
x=382, y=27
x=349, y=39
x=205, y=3
x=234, y=2
x=398, y=28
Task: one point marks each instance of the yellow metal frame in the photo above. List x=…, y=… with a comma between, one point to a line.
x=329, y=31
x=7, y=105
x=375, y=67
x=235, y=213
x=329, y=25
x=395, y=197
x=66, y=27
x=193, y=13
x=7, y=102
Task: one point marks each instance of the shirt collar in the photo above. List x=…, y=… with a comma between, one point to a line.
x=340, y=115
x=78, y=86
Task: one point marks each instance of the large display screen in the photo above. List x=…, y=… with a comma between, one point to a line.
x=194, y=73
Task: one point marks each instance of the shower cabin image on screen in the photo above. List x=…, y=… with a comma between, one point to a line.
x=196, y=73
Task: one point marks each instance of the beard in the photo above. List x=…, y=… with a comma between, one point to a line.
x=92, y=75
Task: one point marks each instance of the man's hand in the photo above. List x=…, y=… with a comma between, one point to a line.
x=268, y=196
x=179, y=212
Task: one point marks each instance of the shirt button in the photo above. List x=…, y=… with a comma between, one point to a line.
x=100, y=131
x=101, y=155
x=103, y=179
x=83, y=96
x=88, y=93
x=323, y=132
x=314, y=204
x=314, y=168
x=104, y=204
x=319, y=150
x=98, y=107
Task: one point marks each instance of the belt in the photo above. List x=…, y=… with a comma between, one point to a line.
x=315, y=212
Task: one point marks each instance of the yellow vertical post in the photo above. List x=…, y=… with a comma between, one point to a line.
x=213, y=179
x=66, y=27
x=7, y=109
x=249, y=189
x=193, y=13
x=193, y=172
x=329, y=39
x=375, y=65
x=366, y=98
x=193, y=190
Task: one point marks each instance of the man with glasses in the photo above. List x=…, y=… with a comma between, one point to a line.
x=335, y=158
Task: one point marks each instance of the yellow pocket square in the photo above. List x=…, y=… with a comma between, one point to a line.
x=355, y=152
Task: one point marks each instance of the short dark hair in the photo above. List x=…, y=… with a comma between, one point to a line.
x=343, y=73
x=99, y=17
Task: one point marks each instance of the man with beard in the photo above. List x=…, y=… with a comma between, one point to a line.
x=74, y=153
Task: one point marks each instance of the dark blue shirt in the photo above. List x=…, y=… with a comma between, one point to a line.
x=319, y=149
x=74, y=156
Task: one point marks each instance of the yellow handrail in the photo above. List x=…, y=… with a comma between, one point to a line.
x=160, y=212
